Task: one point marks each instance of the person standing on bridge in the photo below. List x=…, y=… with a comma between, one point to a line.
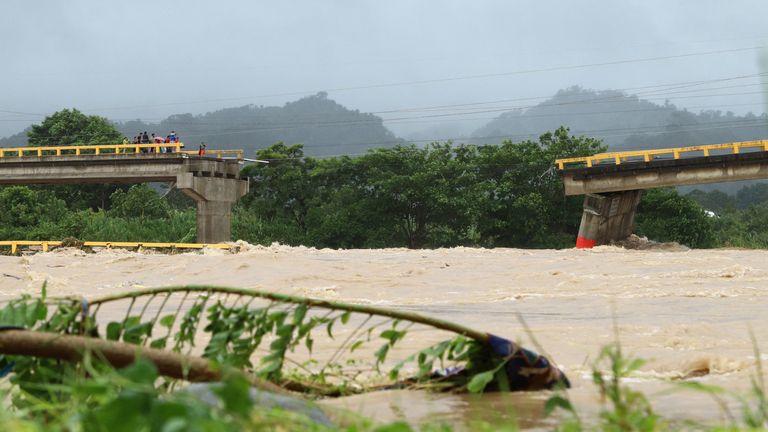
x=145, y=140
x=201, y=150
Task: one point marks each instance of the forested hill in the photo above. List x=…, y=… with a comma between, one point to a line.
x=322, y=125
x=624, y=122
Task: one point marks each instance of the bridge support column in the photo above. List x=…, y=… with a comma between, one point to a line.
x=214, y=221
x=607, y=217
x=215, y=197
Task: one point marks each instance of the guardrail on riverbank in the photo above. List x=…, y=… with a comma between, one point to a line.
x=618, y=158
x=15, y=245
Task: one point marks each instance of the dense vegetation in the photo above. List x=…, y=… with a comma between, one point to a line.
x=441, y=195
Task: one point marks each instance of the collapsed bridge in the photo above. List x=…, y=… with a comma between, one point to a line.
x=212, y=181
x=612, y=182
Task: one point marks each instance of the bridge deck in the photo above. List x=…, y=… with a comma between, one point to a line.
x=627, y=171
x=684, y=153
x=213, y=182
x=104, y=149
x=112, y=168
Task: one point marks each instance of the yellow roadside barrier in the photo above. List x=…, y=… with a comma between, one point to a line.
x=618, y=158
x=15, y=245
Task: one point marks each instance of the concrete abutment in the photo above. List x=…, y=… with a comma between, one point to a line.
x=607, y=217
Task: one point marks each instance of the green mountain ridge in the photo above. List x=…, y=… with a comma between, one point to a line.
x=323, y=126
x=327, y=128
x=624, y=122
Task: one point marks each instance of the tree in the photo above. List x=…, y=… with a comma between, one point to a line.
x=715, y=200
x=664, y=215
x=427, y=193
x=523, y=203
x=72, y=127
x=20, y=207
x=28, y=214
x=752, y=194
x=281, y=191
x=140, y=201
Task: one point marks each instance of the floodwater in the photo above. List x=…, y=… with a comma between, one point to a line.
x=687, y=312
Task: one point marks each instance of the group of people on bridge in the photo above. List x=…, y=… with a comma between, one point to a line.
x=172, y=138
x=145, y=138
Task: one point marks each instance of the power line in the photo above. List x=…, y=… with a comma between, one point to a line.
x=289, y=126
x=442, y=80
x=659, y=91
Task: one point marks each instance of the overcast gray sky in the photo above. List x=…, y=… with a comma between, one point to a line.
x=148, y=59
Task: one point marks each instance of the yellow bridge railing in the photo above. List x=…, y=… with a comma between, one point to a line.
x=15, y=245
x=6, y=152
x=618, y=158
x=221, y=154
x=90, y=149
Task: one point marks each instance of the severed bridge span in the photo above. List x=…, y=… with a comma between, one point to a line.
x=612, y=182
x=213, y=180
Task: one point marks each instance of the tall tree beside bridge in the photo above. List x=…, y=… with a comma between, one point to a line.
x=72, y=127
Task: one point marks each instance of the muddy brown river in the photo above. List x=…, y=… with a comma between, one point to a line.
x=688, y=312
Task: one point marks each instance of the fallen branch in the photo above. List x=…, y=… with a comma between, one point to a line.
x=117, y=354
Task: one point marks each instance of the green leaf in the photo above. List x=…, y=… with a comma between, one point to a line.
x=159, y=343
x=557, y=401
x=479, y=381
x=355, y=346
x=113, y=331
x=142, y=371
x=168, y=320
x=381, y=353
x=329, y=328
x=299, y=313
x=345, y=317
x=634, y=365
x=699, y=386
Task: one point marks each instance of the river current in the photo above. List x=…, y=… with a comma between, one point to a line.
x=687, y=312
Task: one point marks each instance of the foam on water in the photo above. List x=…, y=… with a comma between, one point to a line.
x=687, y=311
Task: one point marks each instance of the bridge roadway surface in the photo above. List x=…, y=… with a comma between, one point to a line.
x=665, y=173
x=612, y=182
x=212, y=182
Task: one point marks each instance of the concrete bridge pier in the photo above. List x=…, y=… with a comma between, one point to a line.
x=215, y=197
x=607, y=217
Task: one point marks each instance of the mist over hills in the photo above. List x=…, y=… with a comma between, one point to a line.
x=326, y=128
x=623, y=121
